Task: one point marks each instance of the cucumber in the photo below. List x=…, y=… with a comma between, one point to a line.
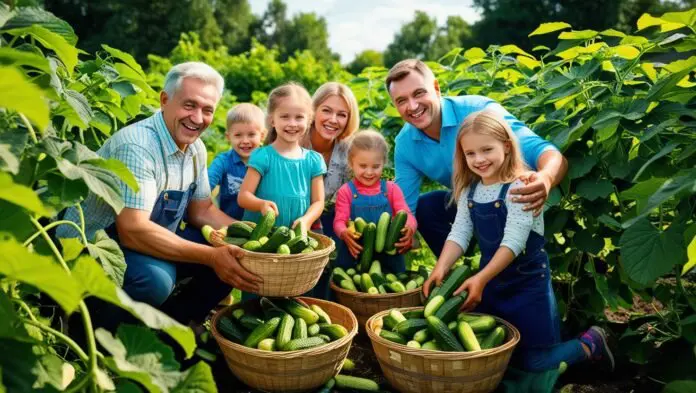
x=373, y=291
x=452, y=326
x=339, y=275
x=450, y=308
x=348, y=365
x=377, y=279
x=375, y=268
x=357, y=280
x=397, y=287
x=334, y=330
x=250, y=322
x=351, y=272
x=323, y=316
x=454, y=280
x=298, y=311
x=462, y=316
x=396, y=315
x=433, y=292
x=381, y=290
x=494, y=338
x=422, y=336
x=433, y=305
x=263, y=227
x=431, y=345
x=411, y=284
x=206, y=230
x=368, y=246
x=263, y=241
x=238, y=313
x=413, y=314
x=239, y=229
x=402, y=276
x=410, y=327
x=393, y=337
x=306, y=250
x=262, y=332
x=300, y=230
x=413, y=344
x=360, y=225
x=482, y=324
x=443, y=335
x=348, y=285
x=300, y=329
x=419, y=281
x=366, y=282
x=252, y=245
x=236, y=241
x=279, y=237
x=283, y=249
x=231, y=331
x=313, y=329
x=303, y=343
x=324, y=337
x=391, y=277
x=347, y=382
x=382, y=227
x=267, y=344
x=389, y=322
x=314, y=243
x=467, y=337
x=328, y=386
x=394, y=232
x=297, y=244
x=284, y=334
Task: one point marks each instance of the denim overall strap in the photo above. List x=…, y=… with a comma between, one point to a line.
x=229, y=189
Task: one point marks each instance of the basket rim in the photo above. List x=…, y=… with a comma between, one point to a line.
x=347, y=339
x=370, y=295
x=316, y=253
x=448, y=355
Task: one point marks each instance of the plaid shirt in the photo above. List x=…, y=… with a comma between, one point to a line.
x=138, y=146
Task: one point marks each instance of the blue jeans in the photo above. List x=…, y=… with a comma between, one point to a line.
x=435, y=217
x=542, y=359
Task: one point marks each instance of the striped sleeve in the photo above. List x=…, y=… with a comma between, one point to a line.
x=141, y=163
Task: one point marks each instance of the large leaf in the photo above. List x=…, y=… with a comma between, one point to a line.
x=126, y=58
x=546, y=28
x=197, y=379
x=77, y=109
x=580, y=166
x=24, y=370
x=119, y=169
x=29, y=16
x=24, y=97
x=10, y=324
x=17, y=263
x=642, y=191
x=65, y=51
x=100, y=181
x=648, y=253
x=109, y=254
x=72, y=248
x=95, y=282
x=21, y=195
x=594, y=189
x=663, y=152
x=687, y=18
x=14, y=57
x=683, y=182
x=8, y=161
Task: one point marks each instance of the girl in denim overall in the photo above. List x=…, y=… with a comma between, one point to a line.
x=368, y=196
x=514, y=280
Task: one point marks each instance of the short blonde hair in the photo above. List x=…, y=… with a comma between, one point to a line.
x=329, y=89
x=246, y=113
x=485, y=122
x=403, y=68
x=288, y=90
x=368, y=140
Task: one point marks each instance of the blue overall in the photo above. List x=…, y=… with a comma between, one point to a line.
x=151, y=280
x=521, y=294
x=229, y=188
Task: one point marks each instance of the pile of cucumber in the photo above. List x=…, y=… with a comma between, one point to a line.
x=379, y=237
x=284, y=324
x=375, y=282
x=440, y=326
x=264, y=237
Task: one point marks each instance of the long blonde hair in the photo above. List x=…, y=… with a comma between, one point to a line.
x=287, y=90
x=329, y=89
x=485, y=122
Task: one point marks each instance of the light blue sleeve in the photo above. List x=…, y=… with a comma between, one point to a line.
x=531, y=144
x=216, y=170
x=317, y=164
x=518, y=224
x=407, y=176
x=259, y=160
x=142, y=165
x=463, y=227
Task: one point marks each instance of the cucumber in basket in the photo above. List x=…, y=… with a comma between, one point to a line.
x=263, y=227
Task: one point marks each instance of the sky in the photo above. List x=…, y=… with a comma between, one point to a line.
x=357, y=25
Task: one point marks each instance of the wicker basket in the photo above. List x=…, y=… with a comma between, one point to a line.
x=293, y=371
x=417, y=370
x=365, y=305
x=289, y=275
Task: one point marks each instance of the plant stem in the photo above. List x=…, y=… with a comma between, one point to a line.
x=82, y=220
x=26, y=308
x=680, y=286
x=79, y=385
x=55, y=224
x=27, y=123
x=69, y=341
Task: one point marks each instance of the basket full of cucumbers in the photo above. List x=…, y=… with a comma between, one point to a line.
x=290, y=261
x=285, y=344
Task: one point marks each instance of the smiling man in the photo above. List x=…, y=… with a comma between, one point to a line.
x=425, y=148
x=165, y=154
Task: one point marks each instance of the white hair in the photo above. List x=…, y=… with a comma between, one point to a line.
x=192, y=69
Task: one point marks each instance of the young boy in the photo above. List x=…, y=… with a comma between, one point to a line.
x=245, y=131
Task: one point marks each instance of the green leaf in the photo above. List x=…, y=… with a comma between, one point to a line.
x=474, y=53
x=23, y=97
x=130, y=75
x=21, y=196
x=102, y=122
x=48, y=371
x=546, y=28
x=566, y=137
x=94, y=281
x=577, y=35
x=40, y=272
x=76, y=109
x=29, y=16
x=594, y=189
x=507, y=49
x=26, y=371
x=14, y=57
x=648, y=253
x=10, y=324
x=198, y=378
x=126, y=58
x=612, y=33
x=64, y=192
x=119, y=169
x=684, y=181
x=124, y=386
x=65, y=51
x=109, y=254
x=6, y=14
x=72, y=248
x=642, y=191
x=580, y=166
x=680, y=387
x=588, y=242
x=100, y=181
x=8, y=161
x=691, y=256
x=687, y=18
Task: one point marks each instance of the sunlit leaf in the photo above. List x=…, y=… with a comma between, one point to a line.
x=22, y=96
x=109, y=254
x=63, y=49
x=21, y=195
x=29, y=16
x=546, y=28
x=126, y=58
x=14, y=57
x=577, y=35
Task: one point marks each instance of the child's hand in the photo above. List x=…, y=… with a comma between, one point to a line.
x=406, y=242
x=269, y=205
x=350, y=239
x=474, y=287
x=298, y=221
x=436, y=277
x=217, y=238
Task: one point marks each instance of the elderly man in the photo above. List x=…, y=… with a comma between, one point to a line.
x=165, y=154
x=425, y=148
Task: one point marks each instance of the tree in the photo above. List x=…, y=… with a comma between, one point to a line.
x=455, y=33
x=235, y=20
x=365, y=59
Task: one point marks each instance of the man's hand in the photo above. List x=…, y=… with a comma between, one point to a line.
x=350, y=239
x=225, y=262
x=406, y=242
x=534, y=193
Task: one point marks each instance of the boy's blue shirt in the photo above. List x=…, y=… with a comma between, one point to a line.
x=416, y=155
x=230, y=167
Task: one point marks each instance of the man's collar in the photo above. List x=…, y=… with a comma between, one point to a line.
x=236, y=158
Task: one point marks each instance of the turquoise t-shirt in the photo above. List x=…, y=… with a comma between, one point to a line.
x=285, y=181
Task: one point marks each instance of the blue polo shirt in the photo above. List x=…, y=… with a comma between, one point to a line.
x=228, y=170
x=416, y=155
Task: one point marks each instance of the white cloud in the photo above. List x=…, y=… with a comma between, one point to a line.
x=357, y=25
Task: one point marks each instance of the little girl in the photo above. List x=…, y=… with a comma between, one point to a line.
x=368, y=196
x=282, y=176
x=514, y=280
